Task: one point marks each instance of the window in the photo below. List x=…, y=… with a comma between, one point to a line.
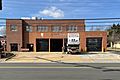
x=42, y=28
x=56, y=28
x=29, y=28
x=72, y=28
x=13, y=28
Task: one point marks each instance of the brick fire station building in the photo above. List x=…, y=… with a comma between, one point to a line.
x=50, y=35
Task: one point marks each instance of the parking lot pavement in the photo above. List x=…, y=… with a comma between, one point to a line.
x=32, y=57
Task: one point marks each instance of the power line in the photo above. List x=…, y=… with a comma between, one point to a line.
x=106, y=7
x=64, y=2
x=68, y=19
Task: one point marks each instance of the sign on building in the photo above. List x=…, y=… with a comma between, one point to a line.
x=73, y=38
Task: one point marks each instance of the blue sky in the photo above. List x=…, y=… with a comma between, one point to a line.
x=60, y=8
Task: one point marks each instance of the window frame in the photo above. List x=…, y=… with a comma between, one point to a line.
x=42, y=28
x=72, y=28
x=13, y=28
x=56, y=28
x=29, y=29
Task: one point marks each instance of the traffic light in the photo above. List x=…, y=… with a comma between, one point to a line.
x=0, y=4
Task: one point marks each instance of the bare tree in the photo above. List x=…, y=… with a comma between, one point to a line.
x=3, y=30
x=114, y=33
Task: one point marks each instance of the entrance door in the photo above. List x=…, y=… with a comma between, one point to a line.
x=56, y=45
x=14, y=46
x=30, y=47
x=94, y=44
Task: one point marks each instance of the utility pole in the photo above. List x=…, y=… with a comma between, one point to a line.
x=0, y=4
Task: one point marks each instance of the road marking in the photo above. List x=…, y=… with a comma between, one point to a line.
x=39, y=67
x=54, y=67
x=113, y=67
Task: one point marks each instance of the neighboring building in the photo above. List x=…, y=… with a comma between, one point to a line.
x=0, y=41
x=116, y=44
x=3, y=43
x=50, y=35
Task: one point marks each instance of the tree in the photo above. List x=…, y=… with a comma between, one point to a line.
x=114, y=33
x=3, y=31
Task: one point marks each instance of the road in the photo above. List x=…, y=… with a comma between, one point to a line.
x=59, y=71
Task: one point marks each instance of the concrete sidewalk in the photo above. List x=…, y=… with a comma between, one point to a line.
x=31, y=57
x=113, y=49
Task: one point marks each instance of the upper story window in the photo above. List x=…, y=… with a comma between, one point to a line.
x=13, y=28
x=56, y=28
x=42, y=28
x=29, y=28
x=93, y=41
x=72, y=28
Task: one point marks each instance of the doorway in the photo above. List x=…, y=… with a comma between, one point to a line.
x=94, y=44
x=42, y=45
x=14, y=46
x=56, y=45
x=30, y=47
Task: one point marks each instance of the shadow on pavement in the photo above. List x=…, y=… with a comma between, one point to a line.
x=85, y=53
x=74, y=64
x=103, y=68
x=114, y=52
x=109, y=70
x=106, y=79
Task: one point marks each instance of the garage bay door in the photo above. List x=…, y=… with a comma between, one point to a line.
x=94, y=44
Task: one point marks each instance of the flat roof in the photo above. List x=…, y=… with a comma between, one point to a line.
x=45, y=19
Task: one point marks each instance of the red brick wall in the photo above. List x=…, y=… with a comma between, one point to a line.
x=102, y=34
x=21, y=36
x=30, y=37
x=14, y=36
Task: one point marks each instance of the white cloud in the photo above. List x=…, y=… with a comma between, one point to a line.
x=2, y=30
x=52, y=12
